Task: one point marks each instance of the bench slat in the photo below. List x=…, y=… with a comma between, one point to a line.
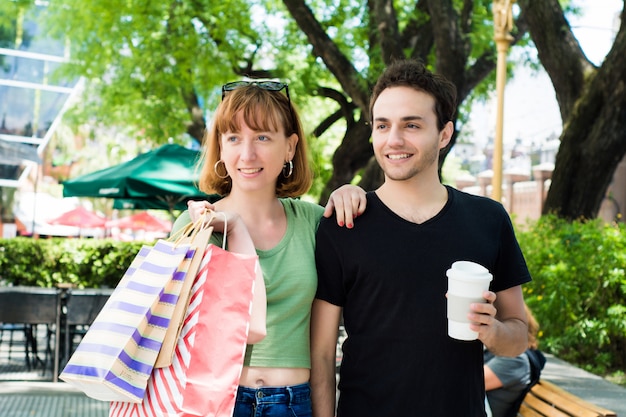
x=526, y=411
x=548, y=400
x=564, y=403
x=544, y=408
x=591, y=406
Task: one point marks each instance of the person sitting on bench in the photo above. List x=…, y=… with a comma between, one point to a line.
x=508, y=379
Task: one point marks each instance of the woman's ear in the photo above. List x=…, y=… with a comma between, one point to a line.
x=292, y=142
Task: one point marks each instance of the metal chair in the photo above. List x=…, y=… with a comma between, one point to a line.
x=81, y=308
x=26, y=308
x=11, y=328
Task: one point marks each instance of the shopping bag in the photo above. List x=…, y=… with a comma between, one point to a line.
x=197, y=235
x=203, y=377
x=117, y=354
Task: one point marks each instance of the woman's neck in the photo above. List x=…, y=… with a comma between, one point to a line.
x=264, y=217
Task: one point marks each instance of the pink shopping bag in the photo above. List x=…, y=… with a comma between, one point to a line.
x=203, y=377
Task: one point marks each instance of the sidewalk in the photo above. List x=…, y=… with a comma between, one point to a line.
x=31, y=393
x=26, y=395
x=47, y=399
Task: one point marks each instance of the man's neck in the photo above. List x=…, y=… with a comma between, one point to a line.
x=414, y=201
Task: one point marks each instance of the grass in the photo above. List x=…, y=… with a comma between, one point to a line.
x=618, y=378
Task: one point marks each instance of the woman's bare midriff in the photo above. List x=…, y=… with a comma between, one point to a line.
x=256, y=377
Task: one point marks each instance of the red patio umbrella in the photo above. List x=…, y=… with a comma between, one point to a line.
x=79, y=217
x=141, y=221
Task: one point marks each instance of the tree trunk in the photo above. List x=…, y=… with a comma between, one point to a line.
x=197, y=125
x=592, y=145
x=446, y=31
x=592, y=102
x=352, y=155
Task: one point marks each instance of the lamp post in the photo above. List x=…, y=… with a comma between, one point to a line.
x=503, y=23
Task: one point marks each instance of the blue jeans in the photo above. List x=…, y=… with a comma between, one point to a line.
x=291, y=401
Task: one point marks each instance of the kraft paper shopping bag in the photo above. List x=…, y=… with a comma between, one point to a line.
x=197, y=237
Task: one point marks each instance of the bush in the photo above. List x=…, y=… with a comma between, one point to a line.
x=86, y=263
x=578, y=292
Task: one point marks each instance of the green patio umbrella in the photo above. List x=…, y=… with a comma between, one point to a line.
x=164, y=178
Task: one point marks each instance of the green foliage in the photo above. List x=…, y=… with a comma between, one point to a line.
x=86, y=263
x=148, y=61
x=578, y=292
x=8, y=11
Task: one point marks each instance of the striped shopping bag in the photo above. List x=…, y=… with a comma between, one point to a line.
x=117, y=354
x=203, y=377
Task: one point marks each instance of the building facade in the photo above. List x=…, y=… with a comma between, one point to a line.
x=32, y=98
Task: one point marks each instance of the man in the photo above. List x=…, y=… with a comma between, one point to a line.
x=388, y=273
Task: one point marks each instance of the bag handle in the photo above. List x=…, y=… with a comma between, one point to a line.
x=191, y=229
x=214, y=213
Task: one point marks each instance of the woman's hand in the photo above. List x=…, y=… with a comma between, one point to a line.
x=348, y=202
x=198, y=208
x=227, y=222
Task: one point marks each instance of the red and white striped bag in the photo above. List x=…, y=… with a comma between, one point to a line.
x=203, y=377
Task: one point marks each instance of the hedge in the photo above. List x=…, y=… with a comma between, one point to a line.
x=86, y=263
x=578, y=292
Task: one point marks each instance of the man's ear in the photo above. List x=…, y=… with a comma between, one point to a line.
x=445, y=135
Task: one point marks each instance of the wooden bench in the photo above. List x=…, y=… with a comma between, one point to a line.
x=548, y=400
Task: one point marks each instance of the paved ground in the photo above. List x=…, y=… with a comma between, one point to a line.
x=30, y=393
x=33, y=398
x=47, y=399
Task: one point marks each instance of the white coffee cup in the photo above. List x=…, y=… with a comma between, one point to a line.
x=466, y=283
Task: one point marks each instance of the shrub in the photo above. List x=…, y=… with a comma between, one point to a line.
x=86, y=263
x=578, y=292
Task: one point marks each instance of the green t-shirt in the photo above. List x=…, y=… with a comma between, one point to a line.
x=290, y=283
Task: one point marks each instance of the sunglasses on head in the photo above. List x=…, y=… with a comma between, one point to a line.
x=263, y=85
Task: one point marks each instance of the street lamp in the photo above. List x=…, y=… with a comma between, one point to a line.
x=503, y=23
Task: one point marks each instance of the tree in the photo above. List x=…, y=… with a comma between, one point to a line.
x=454, y=38
x=160, y=63
x=592, y=102
x=155, y=65
x=148, y=60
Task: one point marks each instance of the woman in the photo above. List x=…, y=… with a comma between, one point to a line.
x=256, y=157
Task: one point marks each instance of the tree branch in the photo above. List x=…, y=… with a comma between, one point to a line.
x=387, y=28
x=450, y=50
x=418, y=33
x=327, y=50
x=346, y=107
x=558, y=50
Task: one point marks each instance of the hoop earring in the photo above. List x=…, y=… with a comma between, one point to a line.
x=217, y=173
x=289, y=168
